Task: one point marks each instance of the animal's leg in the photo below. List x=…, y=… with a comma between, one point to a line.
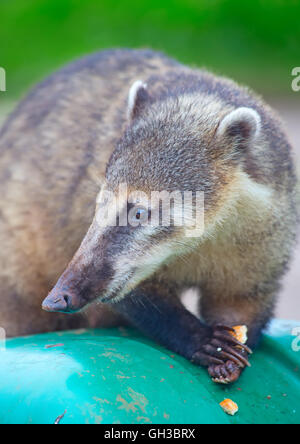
x=156, y=312
x=254, y=312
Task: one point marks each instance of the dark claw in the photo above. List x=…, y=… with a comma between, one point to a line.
x=224, y=327
x=213, y=360
x=203, y=359
x=234, y=352
x=233, y=359
x=227, y=352
x=238, y=354
x=231, y=339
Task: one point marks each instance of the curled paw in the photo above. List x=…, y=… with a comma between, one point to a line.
x=224, y=355
x=225, y=373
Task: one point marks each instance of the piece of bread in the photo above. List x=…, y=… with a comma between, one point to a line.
x=229, y=407
x=240, y=333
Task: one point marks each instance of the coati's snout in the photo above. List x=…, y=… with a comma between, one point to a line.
x=165, y=151
x=86, y=278
x=110, y=262
x=62, y=299
x=113, y=259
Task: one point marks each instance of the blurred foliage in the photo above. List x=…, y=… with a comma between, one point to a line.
x=256, y=42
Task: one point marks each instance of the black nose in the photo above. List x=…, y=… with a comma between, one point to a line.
x=61, y=301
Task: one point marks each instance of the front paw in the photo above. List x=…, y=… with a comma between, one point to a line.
x=224, y=355
x=225, y=373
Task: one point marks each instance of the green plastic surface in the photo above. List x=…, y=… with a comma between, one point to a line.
x=117, y=376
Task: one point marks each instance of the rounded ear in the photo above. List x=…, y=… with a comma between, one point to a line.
x=241, y=126
x=137, y=97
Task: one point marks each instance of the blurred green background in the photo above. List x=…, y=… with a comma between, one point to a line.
x=256, y=42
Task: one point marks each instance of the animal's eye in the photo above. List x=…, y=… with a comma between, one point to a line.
x=138, y=215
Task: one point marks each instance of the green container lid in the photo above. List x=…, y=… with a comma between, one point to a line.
x=117, y=376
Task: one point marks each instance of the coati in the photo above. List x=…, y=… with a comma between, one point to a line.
x=138, y=118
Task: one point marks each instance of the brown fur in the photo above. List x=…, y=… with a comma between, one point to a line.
x=54, y=149
x=54, y=152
